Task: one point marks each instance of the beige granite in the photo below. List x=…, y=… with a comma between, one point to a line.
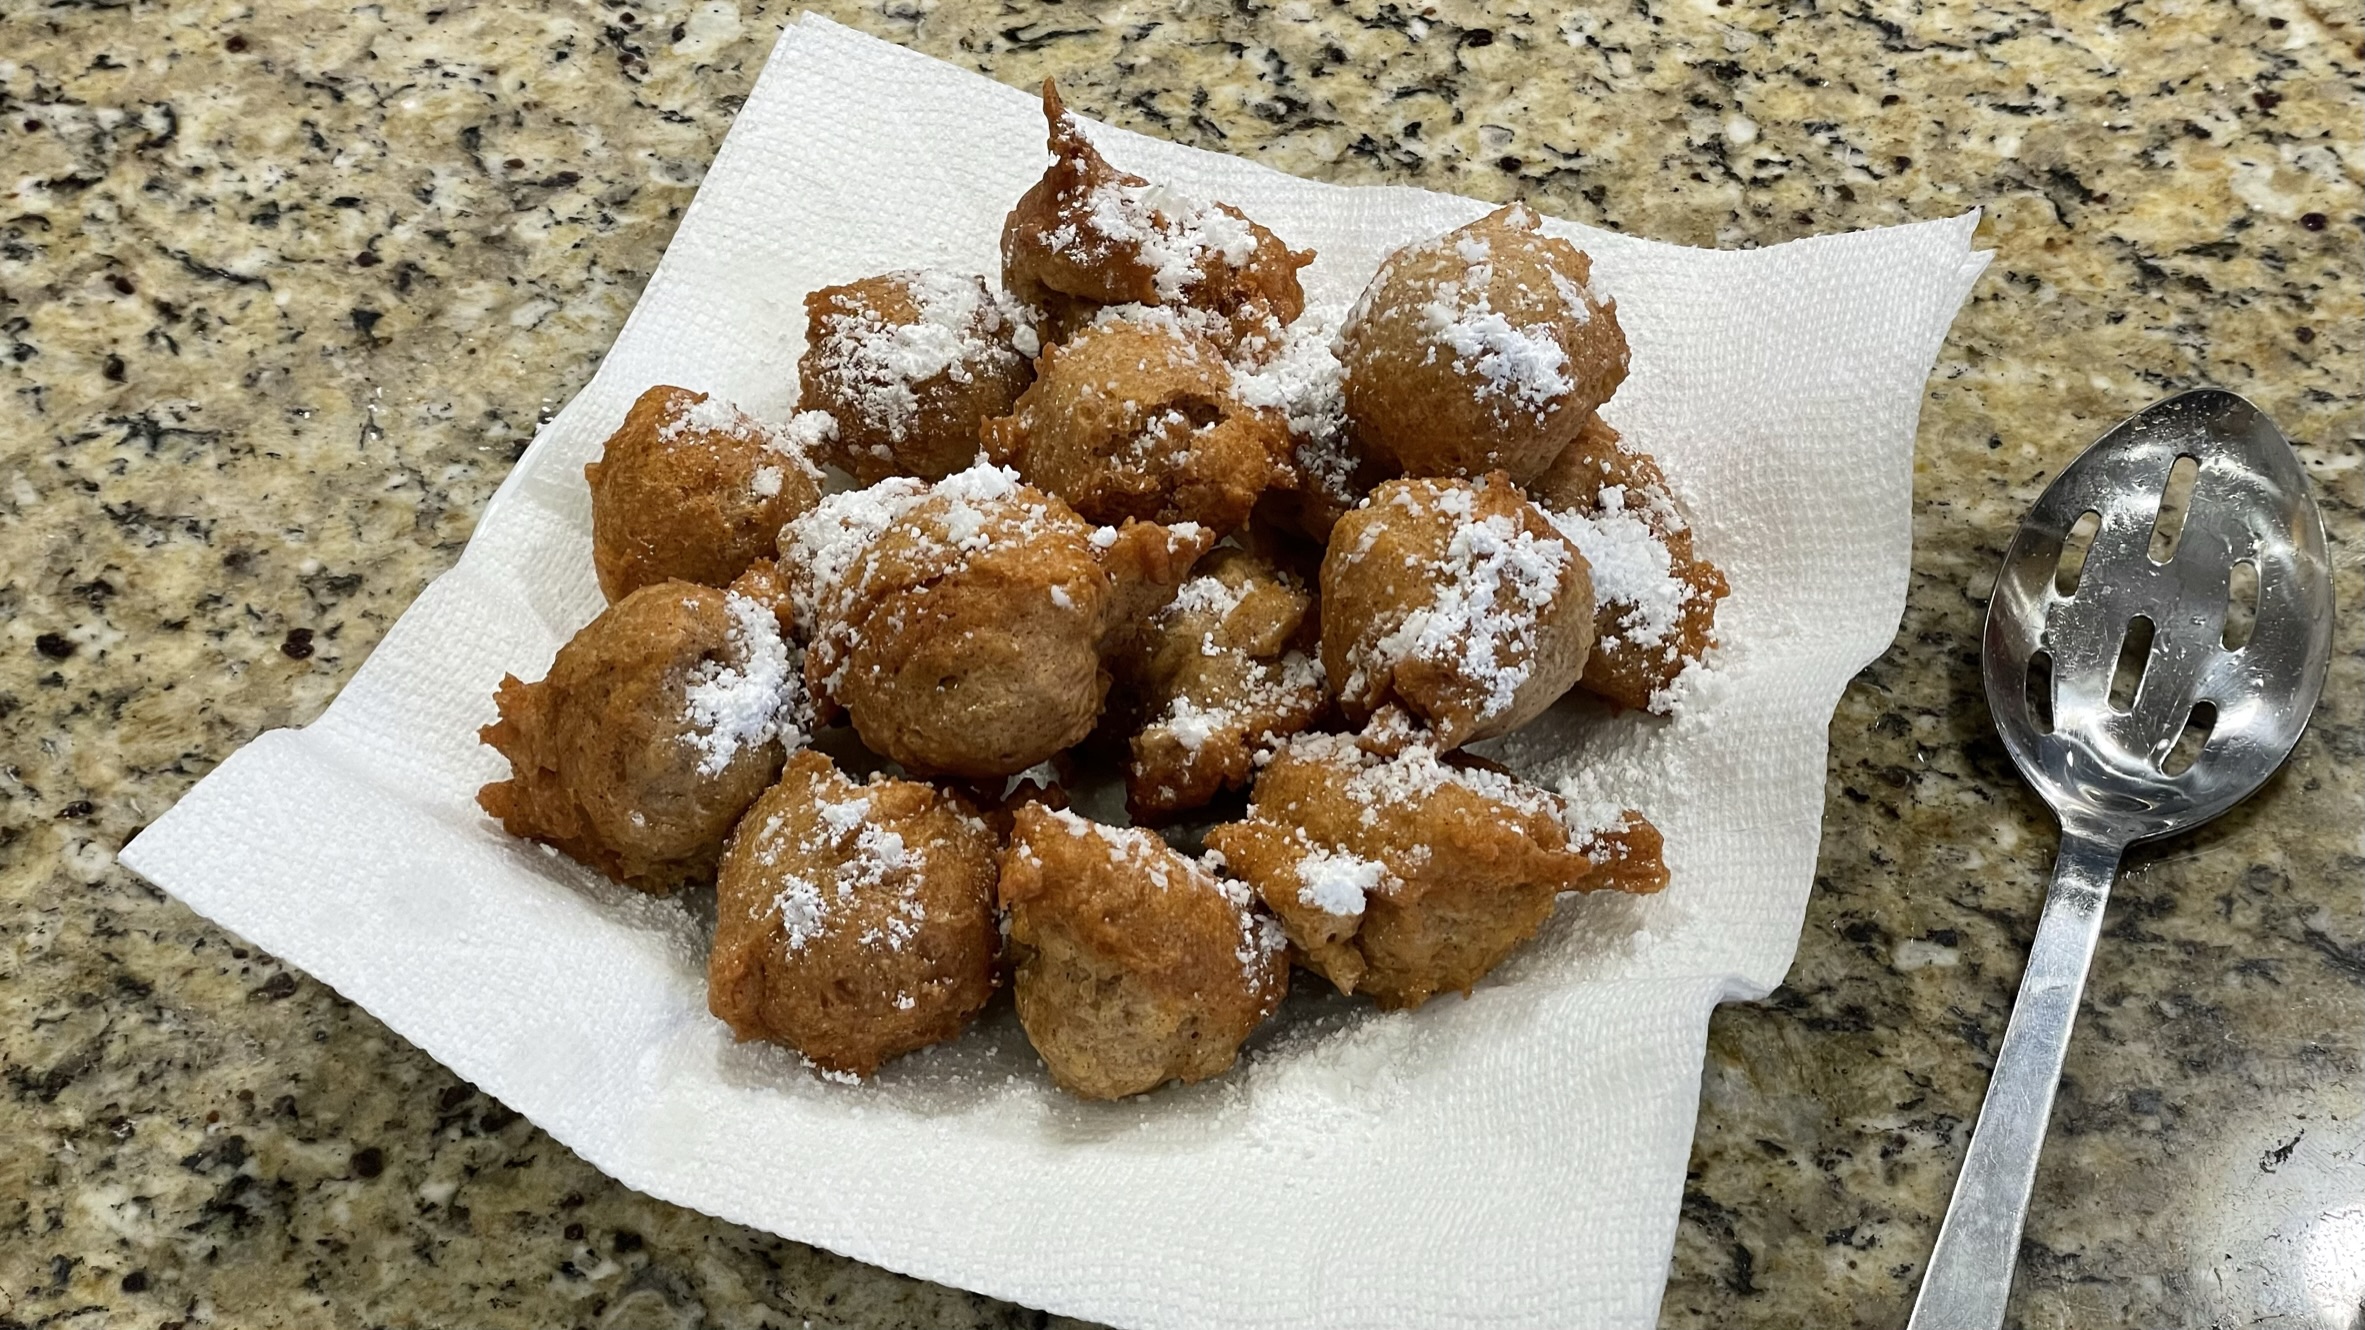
x=284, y=289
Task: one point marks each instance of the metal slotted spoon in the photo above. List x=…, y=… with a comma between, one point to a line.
x=2144, y=684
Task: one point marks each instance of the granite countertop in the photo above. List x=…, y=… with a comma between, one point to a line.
x=283, y=293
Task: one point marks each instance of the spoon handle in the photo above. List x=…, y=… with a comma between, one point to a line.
x=1970, y=1272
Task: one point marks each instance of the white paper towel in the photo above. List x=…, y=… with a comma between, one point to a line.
x=1515, y=1159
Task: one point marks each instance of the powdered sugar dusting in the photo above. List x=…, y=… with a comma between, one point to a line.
x=1176, y=235
x=733, y=707
x=1632, y=568
x=1336, y=882
x=1520, y=363
x=1302, y=382
x=1386, y=787
x=1492, y=584
x=711, y=417
x=959, y=329
x=1205, y=594
x=859, y=860
x=828, y=551
x=1141, y=850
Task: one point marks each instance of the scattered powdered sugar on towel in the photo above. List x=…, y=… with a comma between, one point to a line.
x=735, y=707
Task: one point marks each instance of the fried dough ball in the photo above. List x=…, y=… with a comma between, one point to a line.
x=1215, y=678
x=1135, y=417
x=1088, y=235
x=1412, y=874
x=853, y=922
x=909, y=363
x=688, y=487
x=1459, y=601
x=1480, y=350
x=960, y=625
x=657, y=725
x=1136, y=966
x=1655, y=596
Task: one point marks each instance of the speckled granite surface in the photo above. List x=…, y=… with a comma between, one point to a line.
x=282, y=292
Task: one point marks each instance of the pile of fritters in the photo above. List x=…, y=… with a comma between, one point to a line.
x=1132, y=502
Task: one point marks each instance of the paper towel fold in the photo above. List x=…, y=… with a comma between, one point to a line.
x=1515, y=1159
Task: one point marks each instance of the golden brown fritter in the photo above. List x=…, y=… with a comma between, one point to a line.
x=961, y=625
x=1410, y=875
x=1135, y=418
x=1218, y=676
x=908, y=364
x=853, y=922
x=1087, y=235
x=1655, y=596
x=1136, y=966
x=689, y=488
x=1480, y=350
x=657, y=725
x=1459, y=601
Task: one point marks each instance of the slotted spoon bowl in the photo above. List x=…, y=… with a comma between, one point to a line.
x=2144, y=684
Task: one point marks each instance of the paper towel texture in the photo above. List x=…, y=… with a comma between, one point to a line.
x=1515, y=1159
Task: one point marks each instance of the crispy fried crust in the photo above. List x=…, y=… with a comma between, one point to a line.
x=1460, y=602
x=1136, y=419
x=853, y=922
x=1630, y=664
x=1087, y=235
x=1136, y=966
x=1218, y=676
x=1409, y=875
x=601, y=755
x=672, y=496
x=909, y=364
x=1480, y=350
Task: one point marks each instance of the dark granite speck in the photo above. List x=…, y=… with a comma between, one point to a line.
x=284, y=290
